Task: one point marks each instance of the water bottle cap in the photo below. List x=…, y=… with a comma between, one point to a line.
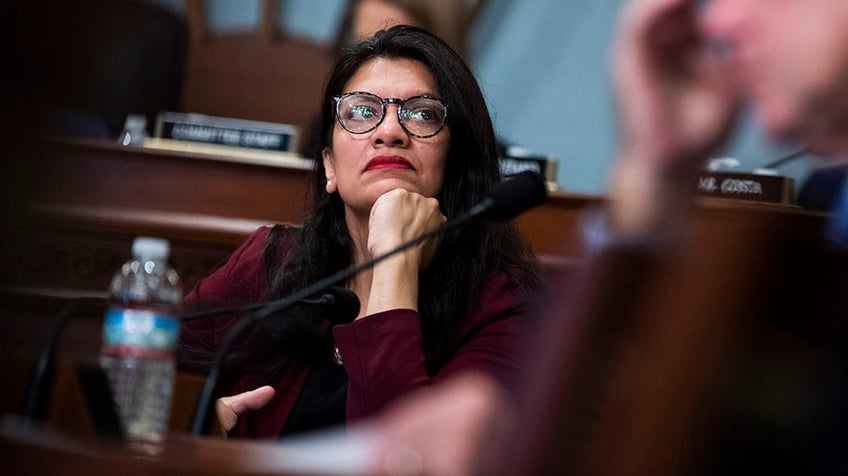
x=149, y=249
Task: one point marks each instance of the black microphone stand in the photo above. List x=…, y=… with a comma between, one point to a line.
x=327, y=298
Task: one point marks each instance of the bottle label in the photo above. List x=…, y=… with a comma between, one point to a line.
x=139, y=333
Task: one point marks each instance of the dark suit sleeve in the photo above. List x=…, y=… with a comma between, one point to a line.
x=820, y=190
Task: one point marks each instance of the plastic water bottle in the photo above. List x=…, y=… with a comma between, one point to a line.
x=139, y=339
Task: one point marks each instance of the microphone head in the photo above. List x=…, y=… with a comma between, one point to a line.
x=305, y=337
x=341, y=304
x=513, y=197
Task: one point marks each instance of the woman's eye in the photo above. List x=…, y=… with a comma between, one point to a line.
x=362, y=112
x=421, y=114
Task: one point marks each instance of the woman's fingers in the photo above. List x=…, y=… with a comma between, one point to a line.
x=399, y=216
x=230, y=408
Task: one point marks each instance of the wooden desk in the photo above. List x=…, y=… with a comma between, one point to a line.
x=31, y=449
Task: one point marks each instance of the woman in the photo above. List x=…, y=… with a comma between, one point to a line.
x=406, y=143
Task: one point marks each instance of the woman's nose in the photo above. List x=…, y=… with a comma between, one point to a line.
x=390, y=130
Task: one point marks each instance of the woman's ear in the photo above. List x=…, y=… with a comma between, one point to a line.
x=329, y=170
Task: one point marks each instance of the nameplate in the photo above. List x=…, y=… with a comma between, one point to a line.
x=743, y=186
x=544, y=166
x=190, y=127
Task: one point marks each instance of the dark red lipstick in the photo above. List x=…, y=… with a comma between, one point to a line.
x=388, y=162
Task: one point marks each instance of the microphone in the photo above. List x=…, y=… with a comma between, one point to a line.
x=303, y=336
x=342, y=303
x=513, y=197
x=297, y=333
x=504, y=201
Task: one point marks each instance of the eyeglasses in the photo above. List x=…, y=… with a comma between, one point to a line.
x=359, y=112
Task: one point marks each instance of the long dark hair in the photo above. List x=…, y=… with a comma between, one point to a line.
x=468, y=256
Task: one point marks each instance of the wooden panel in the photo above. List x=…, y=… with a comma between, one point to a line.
x=264, y=75
x=250, y=78
x=104, y=175
x=75, y=207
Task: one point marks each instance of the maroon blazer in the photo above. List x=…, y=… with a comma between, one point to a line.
x=382, y=353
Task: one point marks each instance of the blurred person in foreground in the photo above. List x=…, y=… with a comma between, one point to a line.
x=682, y=71
x=406, y=143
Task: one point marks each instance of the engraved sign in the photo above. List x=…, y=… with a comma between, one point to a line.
x=742, y=186
x=226, y=131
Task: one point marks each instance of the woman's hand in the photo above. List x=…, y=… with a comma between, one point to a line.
x=229, y=409
x=397, y=217
x=676, y=105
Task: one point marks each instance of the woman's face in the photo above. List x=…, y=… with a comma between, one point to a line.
x=361, y=167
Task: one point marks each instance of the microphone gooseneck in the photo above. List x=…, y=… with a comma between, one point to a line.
x=506, y=200
x=786, y=158
x=340, y=301
x=41, y=385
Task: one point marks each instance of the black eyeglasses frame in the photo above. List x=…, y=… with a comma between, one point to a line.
x=384, y=102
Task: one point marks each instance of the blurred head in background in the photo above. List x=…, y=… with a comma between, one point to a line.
x=447, y=19
x=790, y=58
